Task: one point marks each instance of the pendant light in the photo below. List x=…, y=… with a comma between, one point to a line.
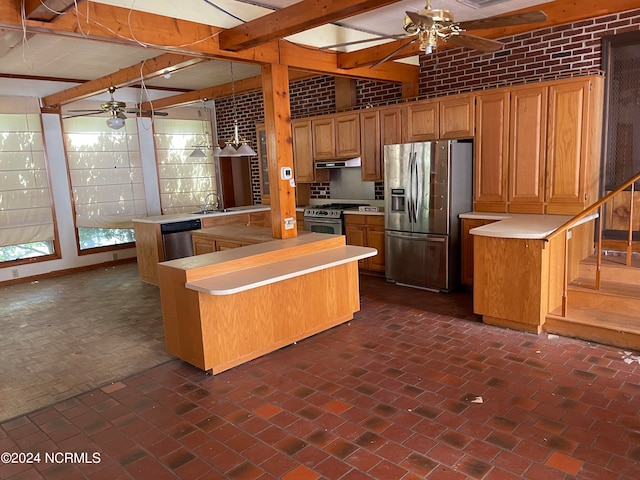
x=236, y=146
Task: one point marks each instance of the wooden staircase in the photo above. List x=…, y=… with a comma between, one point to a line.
x=610, y=315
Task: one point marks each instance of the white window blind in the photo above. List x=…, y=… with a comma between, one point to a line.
x=106, y=172
x=26, y=215
x=184, y=181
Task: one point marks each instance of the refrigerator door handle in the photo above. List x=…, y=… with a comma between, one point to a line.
x=418, y=238
x=414, y=186
x=410, y=189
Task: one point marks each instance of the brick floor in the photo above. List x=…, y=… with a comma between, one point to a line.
x=413, y=387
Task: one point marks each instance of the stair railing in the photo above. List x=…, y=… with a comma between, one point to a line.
x=583, y=216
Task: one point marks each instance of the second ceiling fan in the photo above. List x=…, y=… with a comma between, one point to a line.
x=431, y=26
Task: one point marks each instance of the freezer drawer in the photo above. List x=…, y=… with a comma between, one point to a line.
x=419, y=260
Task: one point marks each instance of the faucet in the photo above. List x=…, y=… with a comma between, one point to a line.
x=208, y=205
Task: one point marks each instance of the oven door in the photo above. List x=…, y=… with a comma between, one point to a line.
x=321, y=225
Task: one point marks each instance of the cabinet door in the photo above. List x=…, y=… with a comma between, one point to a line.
x=302, y=151
x=226, y=245
x=324, y=138
x=203, y=245
x=390, y=126
x=491, y=152
x=263, y=170
x=566, y=146
x=347, y=132
x=370, y=146
x=527, y=150
x=422, y=121
x=375, y=239
x=457, y=117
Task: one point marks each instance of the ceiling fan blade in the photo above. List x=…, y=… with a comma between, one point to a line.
x=86, y=114
x=88, y=110
x=147, y=112
x=356, y=42
x=477, y=43
x=504, y=20
x=394, y=52
x=424, y=23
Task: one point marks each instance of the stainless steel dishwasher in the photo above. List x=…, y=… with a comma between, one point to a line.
x=176, y=239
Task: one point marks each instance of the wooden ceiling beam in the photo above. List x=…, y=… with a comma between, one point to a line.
x=245, y=85
x=48, y=10
x=146, y=70
x=301, y=16
x=111, y=24
x=558, y=12
x=315, y=60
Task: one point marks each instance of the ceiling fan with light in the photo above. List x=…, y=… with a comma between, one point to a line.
x=116, y=109
x=430, y=26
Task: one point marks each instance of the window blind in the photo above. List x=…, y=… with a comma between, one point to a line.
x=26, y=214
x=184, y=181
x=105, y=169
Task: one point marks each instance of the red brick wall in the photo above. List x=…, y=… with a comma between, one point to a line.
x=545, y=52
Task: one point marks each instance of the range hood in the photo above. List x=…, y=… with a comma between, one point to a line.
x=339, y=163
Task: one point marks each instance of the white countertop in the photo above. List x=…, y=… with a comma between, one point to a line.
x=246, y=279
x=179, y=217
x=519, y=225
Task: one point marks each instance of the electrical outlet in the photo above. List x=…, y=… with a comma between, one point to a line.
x=15, y=273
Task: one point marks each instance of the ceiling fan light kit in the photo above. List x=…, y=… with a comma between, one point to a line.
x=115, y=123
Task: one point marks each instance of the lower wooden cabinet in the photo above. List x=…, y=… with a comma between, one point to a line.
x=467, y=248
x=367, y=231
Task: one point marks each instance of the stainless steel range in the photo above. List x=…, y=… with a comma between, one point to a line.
x=327, y=218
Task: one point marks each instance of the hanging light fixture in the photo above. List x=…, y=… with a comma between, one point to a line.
x=236, y=146
x=199, y=150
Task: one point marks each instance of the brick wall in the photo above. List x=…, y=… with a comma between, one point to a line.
x=544, y=52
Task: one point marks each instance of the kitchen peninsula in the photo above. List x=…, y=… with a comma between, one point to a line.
x=517, y=273
x=225, y=308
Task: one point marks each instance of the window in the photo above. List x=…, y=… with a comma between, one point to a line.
x=107, y=185
x=184, y=180
x=26, y=215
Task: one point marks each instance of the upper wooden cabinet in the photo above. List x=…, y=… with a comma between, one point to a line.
x=378, y=127
x=491, y=149
x=457, y=117
x=447, y=118
x=553, y=146
x=573, y=146
x=336, y=136
x=421, y=121
x=528, y=138
x=302, y=138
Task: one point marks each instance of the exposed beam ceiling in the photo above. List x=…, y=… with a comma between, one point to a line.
x=296, y=18
x=146, y=70
x=558, y=12
x=48, y=10
x=220, y=91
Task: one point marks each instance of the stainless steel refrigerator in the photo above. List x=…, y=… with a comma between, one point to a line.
x=427, y=185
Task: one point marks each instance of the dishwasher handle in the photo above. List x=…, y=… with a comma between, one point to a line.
x=180, y=226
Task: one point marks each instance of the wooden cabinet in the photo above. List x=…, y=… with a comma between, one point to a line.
x=300, y=221
x=537, y=147
x=261, y=135
x=467, y=248
x=216, y=239
x=457, y=117
x=491, y=152
x=260, y=219
x=573, y=146
x=446, y=118
x=421, y=121
x=527, y=147
x=303, y=145
x=336, y=136
x=367, y=231
x=216, y=220
x=378, y=128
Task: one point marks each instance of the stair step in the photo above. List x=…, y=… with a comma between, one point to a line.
x=597, y=325
x=613, y=268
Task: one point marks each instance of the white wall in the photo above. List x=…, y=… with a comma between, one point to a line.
x=62, y=202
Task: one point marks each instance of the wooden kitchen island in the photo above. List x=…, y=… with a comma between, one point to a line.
x=225, y=308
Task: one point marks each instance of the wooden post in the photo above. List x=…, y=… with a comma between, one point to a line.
x=277, y=120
